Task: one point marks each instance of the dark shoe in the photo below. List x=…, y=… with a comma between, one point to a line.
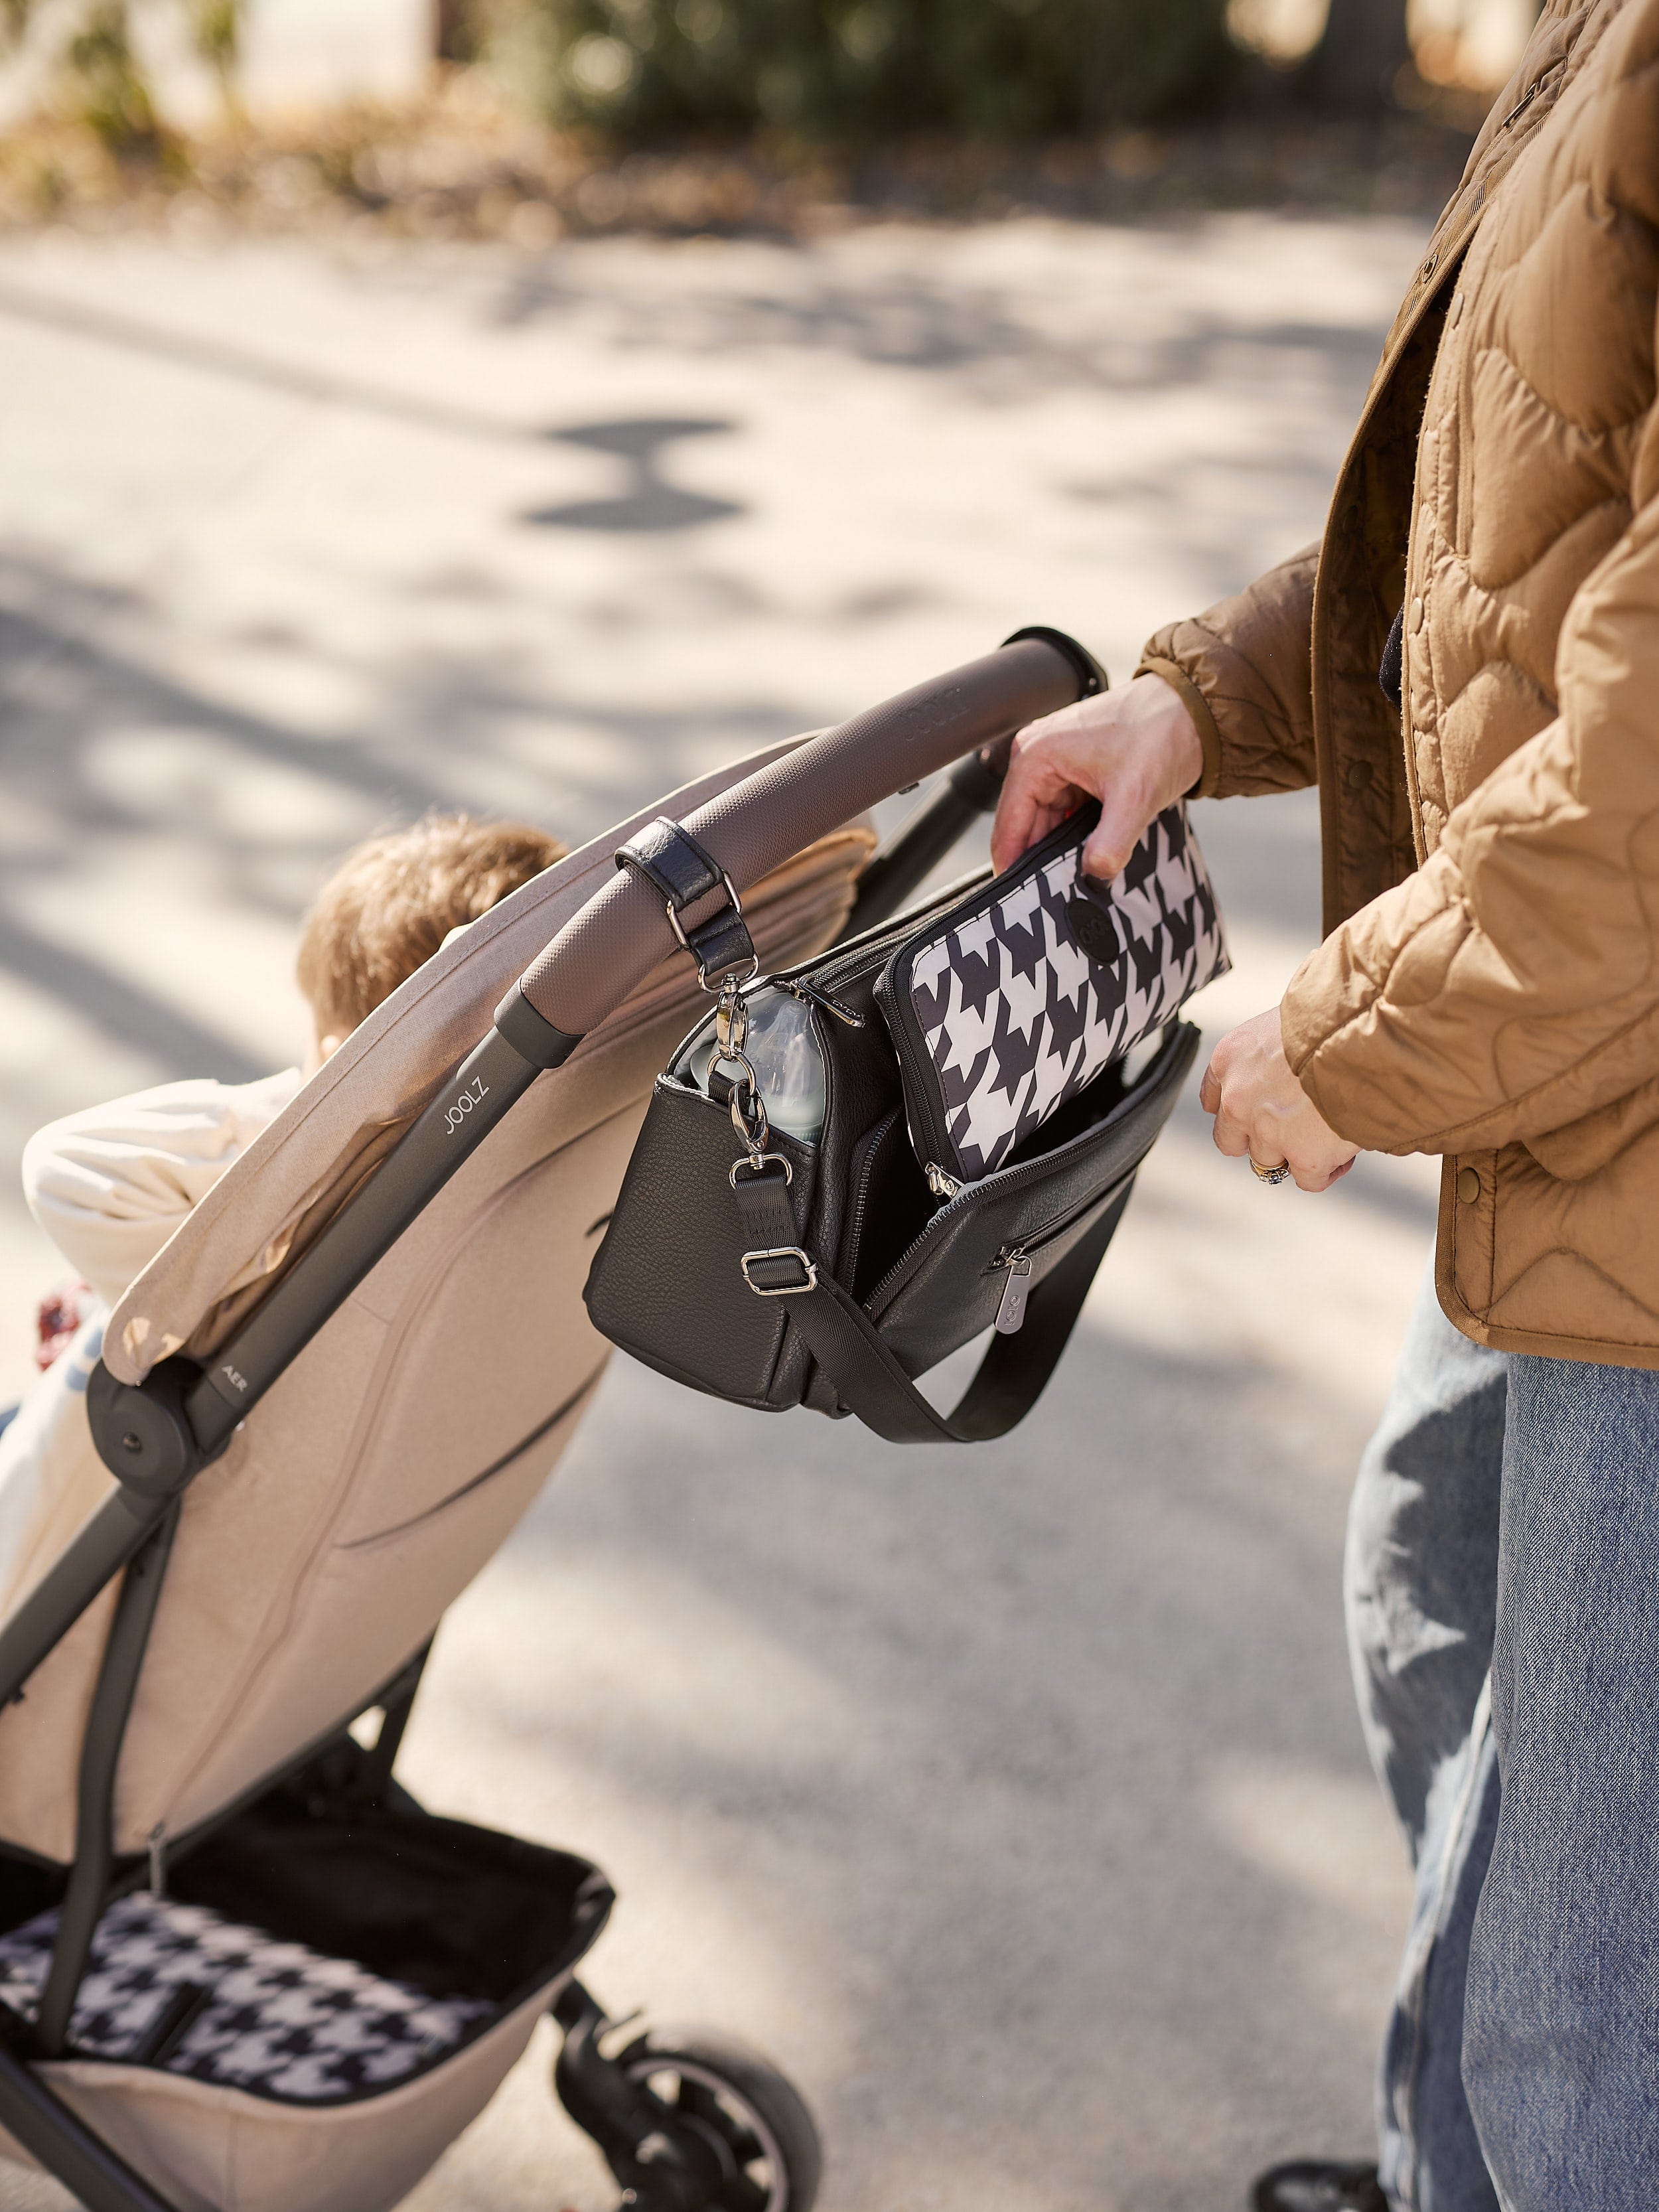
x=1318, y=2184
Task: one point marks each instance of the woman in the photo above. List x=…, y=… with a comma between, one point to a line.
x=1468, y=667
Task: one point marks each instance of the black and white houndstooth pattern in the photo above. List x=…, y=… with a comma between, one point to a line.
x=1018, y=1017
x=274, y=2018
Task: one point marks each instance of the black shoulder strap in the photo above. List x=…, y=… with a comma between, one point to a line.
x=846, y=1344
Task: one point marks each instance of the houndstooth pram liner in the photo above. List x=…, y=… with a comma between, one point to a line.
x=181, y=1987
x=239, y=2054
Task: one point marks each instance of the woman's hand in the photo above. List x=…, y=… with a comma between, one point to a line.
x=1135, y=750
x=1263, y=1113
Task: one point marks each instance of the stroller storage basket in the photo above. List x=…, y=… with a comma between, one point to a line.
x=329, y=1988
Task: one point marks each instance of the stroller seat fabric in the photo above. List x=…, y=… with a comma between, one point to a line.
x=177, y=1986
x=397, y=1453
x=335, y=1986
x=324, y=1984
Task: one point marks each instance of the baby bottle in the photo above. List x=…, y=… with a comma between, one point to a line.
x=782, y=1047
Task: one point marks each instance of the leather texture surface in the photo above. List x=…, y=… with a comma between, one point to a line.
x=665, y=1283
x=867, y=1377
x=686, y=878
x=1489, y=990
x=668, y=1285
x=949, y=1285
x=671, y=859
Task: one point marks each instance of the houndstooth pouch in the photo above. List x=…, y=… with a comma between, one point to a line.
x=1008, y=1005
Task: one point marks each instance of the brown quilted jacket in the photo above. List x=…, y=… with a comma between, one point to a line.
x=1489, y=986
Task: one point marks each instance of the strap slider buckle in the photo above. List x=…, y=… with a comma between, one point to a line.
x=808, y=1273
x=721, y=944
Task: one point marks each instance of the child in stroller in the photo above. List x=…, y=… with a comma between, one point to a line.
x=322, y=1419
x=110, y=1184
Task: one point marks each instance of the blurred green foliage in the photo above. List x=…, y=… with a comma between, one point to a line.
x=113, y=98
x=649, y=69
x=102, y=80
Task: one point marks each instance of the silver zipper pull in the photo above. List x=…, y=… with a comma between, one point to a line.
x=810, y=995
x=941, y=1185
x=1011, y=1314
x=156, y=1844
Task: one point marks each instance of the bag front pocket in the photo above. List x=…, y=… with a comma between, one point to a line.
x=951, y=1282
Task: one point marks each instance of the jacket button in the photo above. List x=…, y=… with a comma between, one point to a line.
x=1416, y=616
x=1357, y=775
x=1468, y=1185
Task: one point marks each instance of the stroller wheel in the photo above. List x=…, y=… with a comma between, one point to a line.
x=736, y=2119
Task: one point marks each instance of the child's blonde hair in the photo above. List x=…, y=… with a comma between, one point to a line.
x=391, y=902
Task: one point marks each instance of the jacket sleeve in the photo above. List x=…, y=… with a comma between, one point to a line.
x=110, y=1185
x=1245, y=670
x=1508, y=991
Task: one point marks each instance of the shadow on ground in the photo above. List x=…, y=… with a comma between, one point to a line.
x=1036, y=1765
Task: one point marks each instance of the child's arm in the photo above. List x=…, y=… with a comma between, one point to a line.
x=110, y=1185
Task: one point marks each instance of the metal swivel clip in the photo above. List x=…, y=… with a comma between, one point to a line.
x=745, y=1103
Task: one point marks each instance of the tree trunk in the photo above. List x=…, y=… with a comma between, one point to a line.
x=1362, y=52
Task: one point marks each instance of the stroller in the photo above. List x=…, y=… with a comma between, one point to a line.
x=240, y=1969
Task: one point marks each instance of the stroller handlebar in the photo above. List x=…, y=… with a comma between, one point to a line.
x=622, y=934
x=155, y=1437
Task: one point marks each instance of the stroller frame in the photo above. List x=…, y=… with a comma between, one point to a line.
x=157, y=1436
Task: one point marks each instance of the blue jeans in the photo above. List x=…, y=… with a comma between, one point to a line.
x=1502, y=1599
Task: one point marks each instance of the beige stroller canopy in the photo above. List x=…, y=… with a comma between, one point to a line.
x=324, y=1406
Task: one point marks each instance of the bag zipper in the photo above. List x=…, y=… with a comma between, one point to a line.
x=1018, y=1258
x=858, y=960
x=810, y=995
x=894, y=930
x=853, y=1233
x=812, y=982
x=875, y=950
x=156, y=1844
x=1034, y=1239
x=995, y=1184
x=923, y=1105
x=794, y=981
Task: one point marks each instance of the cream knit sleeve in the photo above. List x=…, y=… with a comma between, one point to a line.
x=110, y=1185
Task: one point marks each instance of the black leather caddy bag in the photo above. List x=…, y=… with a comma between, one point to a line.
x=776, y=1271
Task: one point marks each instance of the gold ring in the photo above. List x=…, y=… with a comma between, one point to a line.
x=1279, y=1174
